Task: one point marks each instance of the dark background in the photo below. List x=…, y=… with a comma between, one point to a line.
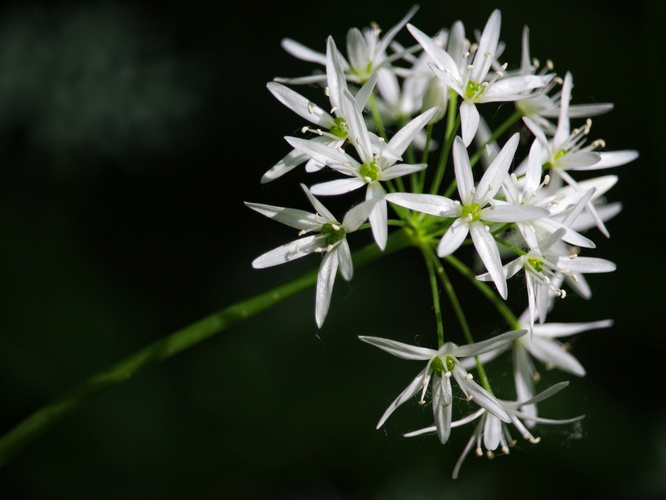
x=130, y=135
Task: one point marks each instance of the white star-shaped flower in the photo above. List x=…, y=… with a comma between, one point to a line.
x=492, y=433
x=470, y=81
x=476, y=206
x=330, y=128
x=441, y=365
x=375, y=165
x=331, y=241
x=567, y=151
x=366, y=53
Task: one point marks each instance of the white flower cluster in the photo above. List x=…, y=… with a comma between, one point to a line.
x=527, y=211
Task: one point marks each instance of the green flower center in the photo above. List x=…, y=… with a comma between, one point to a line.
x=437, y=364
x=536, y=263
x=369, y=171
x=557, y=156
x=340, y=128
x=473, y=90
x=472, y=212
x=333, y=232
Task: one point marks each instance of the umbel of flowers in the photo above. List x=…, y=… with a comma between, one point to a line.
x=386, y=121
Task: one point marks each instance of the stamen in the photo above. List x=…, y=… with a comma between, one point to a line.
x=490, y=454
x=469, y=398
x=310, y=109
x=535, y=62
x=302, y=232
x=304, y=129
x=334, y=108
x=550, y=65
x=469, y=376
x=478, y=452
x=326, y=92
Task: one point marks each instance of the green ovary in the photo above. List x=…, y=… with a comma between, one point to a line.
x=334, y=233
x=472, y=212
x=339, y=129
x=536, y=264
x=438, y=364
x=473, y=90
x=369, y=171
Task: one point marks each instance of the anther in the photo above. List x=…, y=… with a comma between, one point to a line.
x=348, y=165
x=326, y=92
x=470, y=66
x=550, y=65
x=535, y=62
x=490, y=454
x=574, y=277
x=304, y=129
x=310, y=109
x=469, y=398
x=505, y=449
x=335, y=227
x=329, y=248
x=558, y=80
x=486, y=228
x=334, y=108
x=422, y=402
x=358, y=140
x=367, y=179
x=302, y=232
x=514, y=179
x=479, y=452
x=341, y=150
x=469, y=376
x=319, y=132
x=534, y=440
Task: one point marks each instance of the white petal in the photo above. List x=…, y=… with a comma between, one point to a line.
x=357, y=215
x=338, y=186
x=487, y=51
x=442, y=399
x=378, y=215
x=414, y=387
x=497, y=342
x=323, y=153
x=551, y=352
x=427, y=203
x=289, y=162
x=469, y=121
x=463, y=170
x=494, y=176
x=401, y=170
x=318, y=206
x=299, y=219
x=513, y=213
x=487, y=249
x=300, y=105
x=400, y=349
x=404, y=137
x=302, y=52
x=345, y=260
x=566, y=329
x=325, y=281
x=453, y=238
x=616, y=158
x=288, y=252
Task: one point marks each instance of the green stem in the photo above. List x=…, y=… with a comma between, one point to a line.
x=426, y=250
x=27, y=431
x=496, y=135
x=488, y=292
x=377, y=117
x=452, y=125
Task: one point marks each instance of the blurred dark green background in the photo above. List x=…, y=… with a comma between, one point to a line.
x=130, y=135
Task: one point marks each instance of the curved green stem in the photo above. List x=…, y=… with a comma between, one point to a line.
x=26, y=432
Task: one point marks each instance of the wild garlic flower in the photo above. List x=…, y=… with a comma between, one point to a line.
x=492, y=433
x=470, y=80
x=441, y=365
x=567, y=151
x=331, y=242
x=476, y=207
x=366, y=53
x=374, y=166
x=330, y=128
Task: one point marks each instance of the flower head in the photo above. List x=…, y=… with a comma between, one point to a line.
x=441, y=365
x=331, y=242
